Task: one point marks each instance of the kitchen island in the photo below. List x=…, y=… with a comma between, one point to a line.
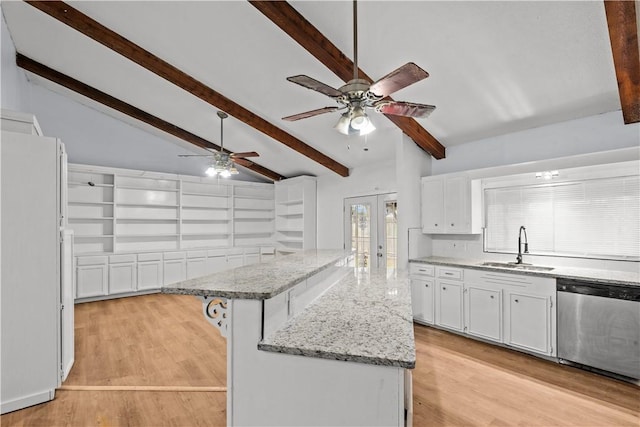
x=311, y=341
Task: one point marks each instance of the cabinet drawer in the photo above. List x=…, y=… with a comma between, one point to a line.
x=150, y=257
x=216, y=252
x=173, y=255
x=92, y=260
x=418, y=269
x=120, y=259
x=196, y=254
x=450, y=273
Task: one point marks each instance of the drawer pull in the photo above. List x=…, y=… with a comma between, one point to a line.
x=422, y=269
x=452, y=224
x=444, y=288
x=426, y=286
x=516, y=300
x=491, y=296
x=448, y=274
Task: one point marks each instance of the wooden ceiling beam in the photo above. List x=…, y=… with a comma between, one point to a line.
x=128, y=109
x=623, y=34
x=112, y=40
x=309, y=37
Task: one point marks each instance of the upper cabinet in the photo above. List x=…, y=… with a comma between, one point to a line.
x=295, y=214
x=451, y=205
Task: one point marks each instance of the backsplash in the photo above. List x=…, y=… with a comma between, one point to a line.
x=470, y=247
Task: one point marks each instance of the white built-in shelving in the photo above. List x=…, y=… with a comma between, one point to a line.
x=128, y=211
x=295, y=214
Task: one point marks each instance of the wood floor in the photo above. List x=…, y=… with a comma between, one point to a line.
x=163, y=340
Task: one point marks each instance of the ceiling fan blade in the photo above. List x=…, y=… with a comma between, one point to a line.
x=408, y=109
x=313, y=84
x=310, y=113
x=242, y=162
x=245, y=154
x=404, y=76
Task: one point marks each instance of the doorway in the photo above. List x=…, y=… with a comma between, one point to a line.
x=371, y=231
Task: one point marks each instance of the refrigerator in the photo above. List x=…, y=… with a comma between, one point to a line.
x=36, y=270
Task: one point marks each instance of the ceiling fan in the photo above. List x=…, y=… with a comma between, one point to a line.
x=359, y=94
x=222, y=163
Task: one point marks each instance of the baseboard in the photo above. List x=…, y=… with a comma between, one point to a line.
x=25, y=401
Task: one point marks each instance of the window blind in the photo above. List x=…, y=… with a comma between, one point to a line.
x=597, y=218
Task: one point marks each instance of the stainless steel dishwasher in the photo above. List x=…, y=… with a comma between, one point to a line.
x=599, y=326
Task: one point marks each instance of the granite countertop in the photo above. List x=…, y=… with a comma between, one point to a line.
x=364, y=318
x=591, y=274
x=260, y=281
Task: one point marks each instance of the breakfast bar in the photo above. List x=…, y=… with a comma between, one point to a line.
x=311, y=340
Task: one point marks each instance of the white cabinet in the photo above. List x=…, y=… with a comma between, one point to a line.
x=449, y=304
x=149, y=271
x=235, y=260
x=122, y=273
x=196, y=264
x=483, y=312
x=251, y=258
x=174, y=267
x=91, y=276
x=529, y=322
x=422, y=292
x=451, y=205
x=216, y=260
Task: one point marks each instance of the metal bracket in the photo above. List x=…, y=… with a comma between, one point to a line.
x=216, y=313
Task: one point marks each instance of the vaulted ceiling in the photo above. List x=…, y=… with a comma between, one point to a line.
x=495, y=68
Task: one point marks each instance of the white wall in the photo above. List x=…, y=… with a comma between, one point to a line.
x=371, y=179
x=412, y=163
x=590, y=134
x=13, y=83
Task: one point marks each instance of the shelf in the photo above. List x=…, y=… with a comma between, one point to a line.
x=87, y=184
x=120, y=236
x=289, y=230
x=258, y=219
x=148, y=205
x=206, y=220
x=78, y=202
x=92, y=236
x=290, y=241
x=253, y=233
x=89, y=218
x=206, y=234
x=290, y=215
x=191, y=193
x=204, y=207
x=290, y=202
x=145, y=219
x=252, y=197
x=254, y=209
x=132, y=187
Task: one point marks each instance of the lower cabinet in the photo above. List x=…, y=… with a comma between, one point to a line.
x=449, y=304
x=483, y=312
x=91, y=276
x=196, y=264
x=149, y=271
x=235, y=260
x=528, y=323
x=122, y=274
x=508, y=308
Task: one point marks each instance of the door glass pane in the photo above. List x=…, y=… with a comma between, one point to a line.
x=361, y=234
x=391, y=234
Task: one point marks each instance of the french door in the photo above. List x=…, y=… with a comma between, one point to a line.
x=371, y=230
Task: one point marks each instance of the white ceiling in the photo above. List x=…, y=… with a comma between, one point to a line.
x=495, y=67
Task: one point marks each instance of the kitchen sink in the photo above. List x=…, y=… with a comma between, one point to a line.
x=513, y=265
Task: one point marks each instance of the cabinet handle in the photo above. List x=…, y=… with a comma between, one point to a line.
x=436, y=225
x=426, y=286
x=444, y=288
x=491, y=296
x=516, y=300
x=452, y=224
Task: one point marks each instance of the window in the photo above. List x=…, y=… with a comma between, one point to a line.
x=595, y=217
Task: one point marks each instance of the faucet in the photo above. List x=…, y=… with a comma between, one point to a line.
x=526, y=244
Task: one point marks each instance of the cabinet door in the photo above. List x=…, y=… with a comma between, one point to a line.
x=449, y=305
x=456, y=205
x=416, y=299
x=432, y=206
x=91, y=280
x=483, y=313
x=528, y=322
x=428, y=300
x=122, y=278
x=251, y=259
x=216, y=263
x=174, y=271
x=235, y=261
x=196, y=267
x=149, y=275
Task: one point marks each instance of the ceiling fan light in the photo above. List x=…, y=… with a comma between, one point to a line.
x=211, y=171
x=225, y=173
x=233, y=170
x=359, y=119
x=368, y=128
x=343, y=124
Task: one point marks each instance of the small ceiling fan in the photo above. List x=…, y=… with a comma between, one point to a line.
x=222, y=163
x=359, y=94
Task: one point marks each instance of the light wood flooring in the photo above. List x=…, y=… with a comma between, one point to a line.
x=163, y=340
